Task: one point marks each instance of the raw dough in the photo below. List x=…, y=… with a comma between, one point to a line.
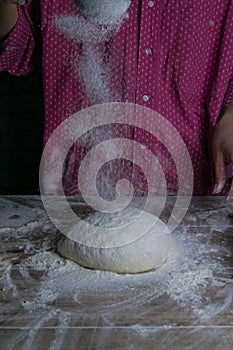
x=142, y=254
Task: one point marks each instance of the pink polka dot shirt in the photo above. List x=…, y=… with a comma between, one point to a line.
x=174, y=57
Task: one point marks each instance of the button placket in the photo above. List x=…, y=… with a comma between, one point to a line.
x=145, y=54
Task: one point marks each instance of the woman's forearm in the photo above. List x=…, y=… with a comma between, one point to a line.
x=8, y=18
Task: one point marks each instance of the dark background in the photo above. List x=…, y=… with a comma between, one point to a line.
x=21, y=132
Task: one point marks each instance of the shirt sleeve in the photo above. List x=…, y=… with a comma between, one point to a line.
x=17, y=49
x=228, y=99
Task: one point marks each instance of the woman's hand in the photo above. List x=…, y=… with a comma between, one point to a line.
x=222, y=148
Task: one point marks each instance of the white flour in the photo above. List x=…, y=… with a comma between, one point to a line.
x=103, y=19
x=193, y=283
x=103, y=11
x=183, y=279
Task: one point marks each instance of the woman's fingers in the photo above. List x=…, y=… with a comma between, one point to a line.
x=220, y=172
x=222, y=150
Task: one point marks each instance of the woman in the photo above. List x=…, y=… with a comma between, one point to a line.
x=173, y=57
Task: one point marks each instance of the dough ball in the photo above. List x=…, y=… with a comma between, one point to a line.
x=145, y=253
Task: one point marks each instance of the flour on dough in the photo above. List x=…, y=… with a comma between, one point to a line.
x=147, y=252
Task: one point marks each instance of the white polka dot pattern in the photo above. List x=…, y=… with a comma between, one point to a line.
x=172, y=56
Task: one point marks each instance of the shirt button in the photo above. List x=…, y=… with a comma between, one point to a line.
x=142, y=146
x=211, y=23
x=151, y=3
x=145, y=98
x=148, y=51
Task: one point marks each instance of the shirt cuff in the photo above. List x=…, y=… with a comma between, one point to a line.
x=16, y=51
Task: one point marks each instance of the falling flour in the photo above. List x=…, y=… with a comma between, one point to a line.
x=94, y=31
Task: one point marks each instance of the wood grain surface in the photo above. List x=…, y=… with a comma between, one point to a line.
x=134, y=316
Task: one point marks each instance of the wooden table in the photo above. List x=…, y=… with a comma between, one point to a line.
x=50, y=303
